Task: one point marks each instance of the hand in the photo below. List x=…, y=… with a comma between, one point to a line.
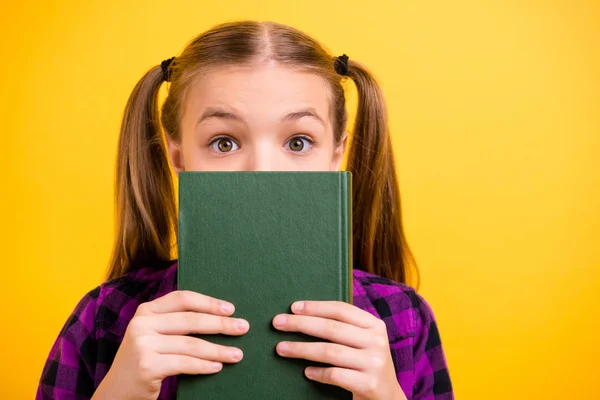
x=155, y=346
x=359, y=351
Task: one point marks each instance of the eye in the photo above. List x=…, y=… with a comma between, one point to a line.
x=299, y=144
x=224, y=145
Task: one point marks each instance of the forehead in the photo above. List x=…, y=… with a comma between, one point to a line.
x=265, y=90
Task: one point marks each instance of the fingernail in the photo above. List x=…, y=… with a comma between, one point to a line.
x=282, y=348
x=298, y=306
x=310, y=372
x=227, y=308
x=279, y=320
x=241, y=324
x=236, y=354
x=216, y=366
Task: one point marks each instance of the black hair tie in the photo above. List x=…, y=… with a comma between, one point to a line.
x=341, y=65
x=166, y=72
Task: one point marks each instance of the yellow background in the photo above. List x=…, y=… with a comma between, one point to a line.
x=495, y=110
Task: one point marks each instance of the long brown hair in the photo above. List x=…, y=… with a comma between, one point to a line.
x=145, y=197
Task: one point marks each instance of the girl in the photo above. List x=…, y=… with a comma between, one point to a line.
x=249, y=97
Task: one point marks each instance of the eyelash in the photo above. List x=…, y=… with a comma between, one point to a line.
x=305, y=137
x=216, y=139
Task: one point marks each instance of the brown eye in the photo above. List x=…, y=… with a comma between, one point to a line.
x=296, y=144
x=224, y=145
x=300, y=144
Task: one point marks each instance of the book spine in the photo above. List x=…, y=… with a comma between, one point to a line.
x=181, y=229
x=346, y=264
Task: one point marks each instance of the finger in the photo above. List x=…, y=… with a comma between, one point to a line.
x=337, y=310
x=173, y=364
x=328, y=329
x=198, y=348
x=184, y=300
x=328, y=353
x=183, y=323
x=360, y=384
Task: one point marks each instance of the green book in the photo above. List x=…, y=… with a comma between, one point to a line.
x=262, y=240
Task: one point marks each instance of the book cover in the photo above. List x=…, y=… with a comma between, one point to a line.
x=262, y=240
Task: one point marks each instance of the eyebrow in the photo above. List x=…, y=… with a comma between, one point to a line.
x=307, y=112
x=213, y=112
x=220, y=113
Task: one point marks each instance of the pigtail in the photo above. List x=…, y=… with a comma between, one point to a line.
x=380, y=246
x=146, y=217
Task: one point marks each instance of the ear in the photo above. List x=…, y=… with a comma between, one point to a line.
x=338, y=155
x=175, y=155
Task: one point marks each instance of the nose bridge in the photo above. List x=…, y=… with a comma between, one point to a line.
x=261, y=156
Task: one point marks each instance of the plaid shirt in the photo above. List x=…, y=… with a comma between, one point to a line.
x=88, y=343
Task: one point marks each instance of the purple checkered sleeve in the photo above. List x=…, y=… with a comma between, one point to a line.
x=90, y=339
x=414, y=339
x=69, y=370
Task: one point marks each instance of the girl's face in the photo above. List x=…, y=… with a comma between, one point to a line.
x=264, y=118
